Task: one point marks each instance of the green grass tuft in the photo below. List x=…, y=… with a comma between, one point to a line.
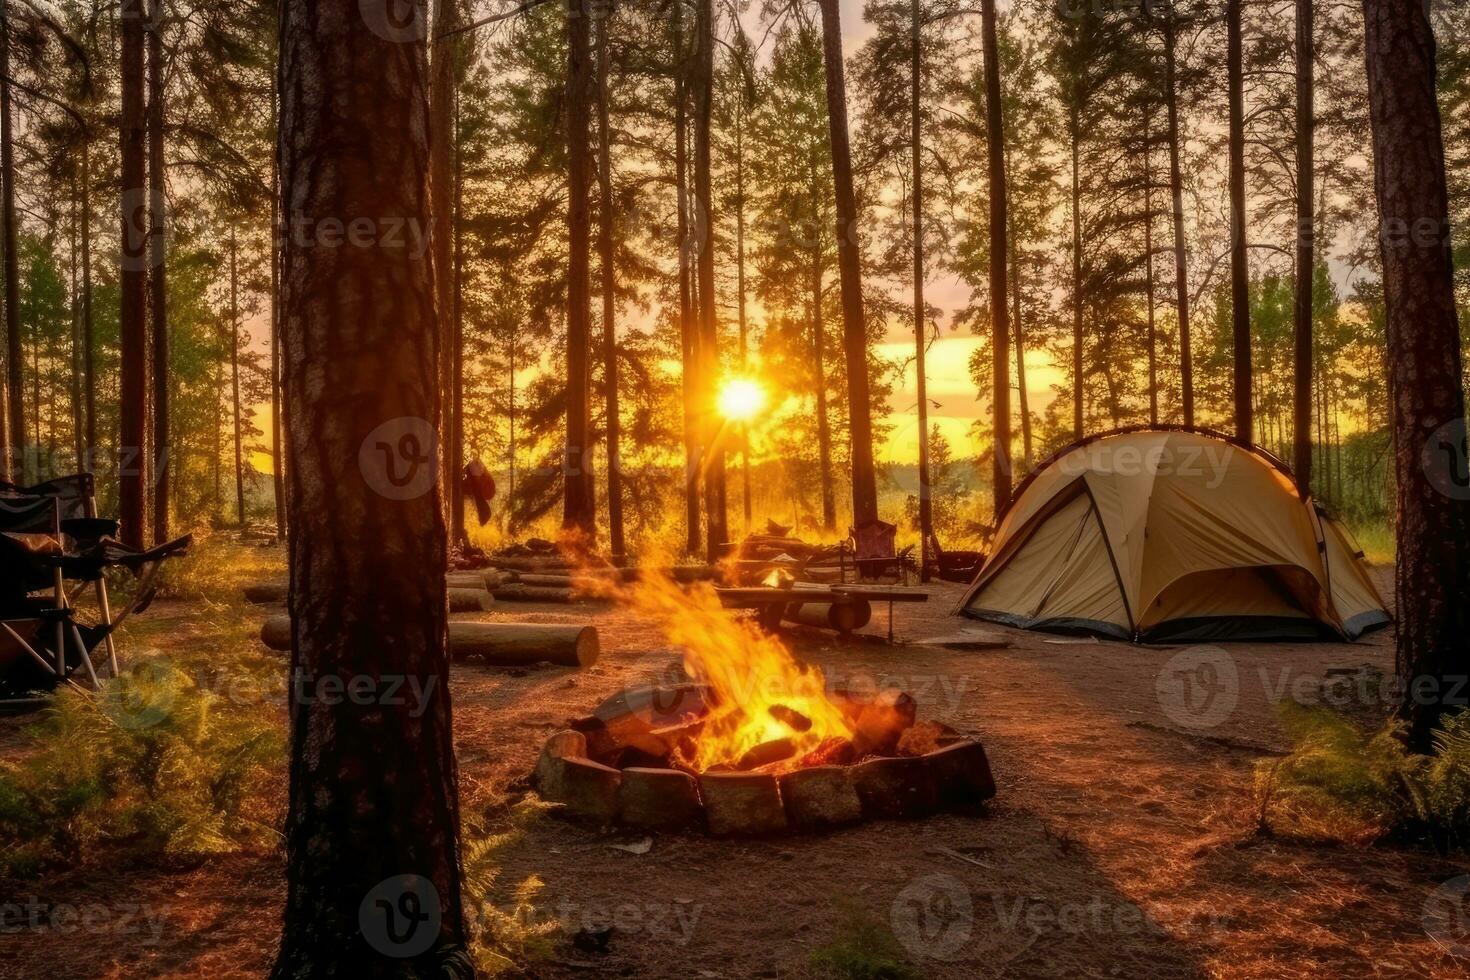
x=863, y=949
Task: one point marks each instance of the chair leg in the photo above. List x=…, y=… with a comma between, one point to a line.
x=86, y=658
x=106, y=606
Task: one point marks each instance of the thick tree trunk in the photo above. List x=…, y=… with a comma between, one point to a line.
x=1000, y=319
x=1176, y=194
x=717, y=532
x=133, y=312
x=921, y=317
x=373, y=870
x=1078, y=383
x=1240, y=277
x=740, y=289
x=456, y=334
x=1306, y=256
x=688, y=339
x=78, y=425
x=1424, y=358
x=579, y=510
x=235, y=377
x=849, y=267
x=609, y=294
x=441, y=208
x=157, y=276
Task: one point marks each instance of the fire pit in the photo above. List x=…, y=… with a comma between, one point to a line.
x=685, y=758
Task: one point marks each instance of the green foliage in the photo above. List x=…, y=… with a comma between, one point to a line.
x=863, y=949
x=1343, y=784
x=150, y=765
x=502, y=938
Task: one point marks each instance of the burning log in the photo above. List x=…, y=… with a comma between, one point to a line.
x=790, y=717
x=833, y=751
x=766, y=754
x=500, y=644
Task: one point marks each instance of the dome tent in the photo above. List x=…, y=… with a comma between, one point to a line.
x=1172, y=534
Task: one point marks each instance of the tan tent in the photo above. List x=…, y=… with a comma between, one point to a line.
x=1172, y=535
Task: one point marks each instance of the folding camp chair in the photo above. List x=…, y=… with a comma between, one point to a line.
x=41, y=643
x=873, y=547
x=89, y=548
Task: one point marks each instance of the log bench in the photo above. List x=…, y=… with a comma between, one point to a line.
x=843, y=608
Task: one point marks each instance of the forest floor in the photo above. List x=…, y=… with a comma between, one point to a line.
x=1123, y=841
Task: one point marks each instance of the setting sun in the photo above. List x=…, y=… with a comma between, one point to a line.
x=741, y=399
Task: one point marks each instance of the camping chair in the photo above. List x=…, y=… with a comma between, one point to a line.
x=874, y=552
x=953, y=566
x=41, y=643
x=90, y=548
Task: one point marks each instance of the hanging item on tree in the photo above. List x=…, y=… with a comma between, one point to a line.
x=479, y=485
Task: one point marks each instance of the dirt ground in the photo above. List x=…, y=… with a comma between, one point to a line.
x=1122, y=842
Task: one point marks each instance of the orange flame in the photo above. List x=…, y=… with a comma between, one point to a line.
x=761, y=695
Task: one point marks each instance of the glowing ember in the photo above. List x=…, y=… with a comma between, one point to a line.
x=768, y=711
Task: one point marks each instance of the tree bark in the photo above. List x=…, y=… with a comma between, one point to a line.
x=1000, y=320
x=133, y=311
x=1424, y=358
x=740, y=287
x=157, y=275
x=235, y=376
x=456, y=333
x=921, y=338
x=1148, y=262
x=609, y=293
x=1078, y=384
x=824, y=429
x=578, y=510
x=1017, y=326
x=688, y=339
x=278, y=455
x=1240, y=277
x=14, y=441
x=1176, y=193
x=1306, y=257
x=849, y=267
x=372, y=830
x=717, y=532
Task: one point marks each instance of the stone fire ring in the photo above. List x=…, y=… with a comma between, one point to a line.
x=955, y=777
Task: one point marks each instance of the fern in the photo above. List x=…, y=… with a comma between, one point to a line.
x=503, y=939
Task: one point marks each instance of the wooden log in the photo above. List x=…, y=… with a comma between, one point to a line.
x=475, y=578
x=844, y=617
x=266, y=593
x=545, y=580
x=469, y=600
x=525, y=593
x=501, y=644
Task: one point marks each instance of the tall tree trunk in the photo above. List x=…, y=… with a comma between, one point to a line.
x=1024, y=399
x=373, y=826
x=849, y=267
x=1000, y=319
x=578, y=511
x=740, y=108
x=824, y=429
x=235, y=376
x=441, y=207
x=609, y=294
x=1306, y=256
x=1176, y=193
x=1078, y=382
x=456, y=334
x=717, y=530
x=14, y=441
x=688, y=339
x=1424, y=358
x=89, y=387
x=78, y=411
x=133, y=282
x=1240, y=277
x=1148, y=262
x=921, y=313
x=157, y=275
x=278, y=427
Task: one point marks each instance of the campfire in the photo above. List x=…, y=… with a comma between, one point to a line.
x=753, y=741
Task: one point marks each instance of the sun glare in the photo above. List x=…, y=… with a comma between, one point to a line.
x=741, y=399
